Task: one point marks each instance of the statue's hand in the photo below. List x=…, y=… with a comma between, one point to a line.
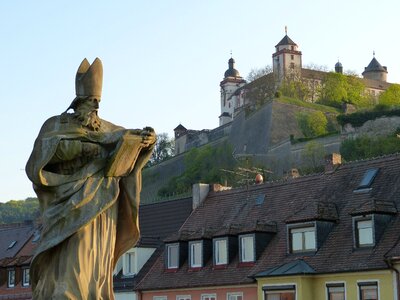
x=148, y=136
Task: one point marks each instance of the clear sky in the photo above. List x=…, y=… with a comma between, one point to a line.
x=163, y=60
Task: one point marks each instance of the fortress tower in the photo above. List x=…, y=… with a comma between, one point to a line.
x=231, y=82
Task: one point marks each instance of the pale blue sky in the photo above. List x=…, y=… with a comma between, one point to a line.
x=163, y=60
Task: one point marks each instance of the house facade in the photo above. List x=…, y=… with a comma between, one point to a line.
x=17, y=243
x=333, y=235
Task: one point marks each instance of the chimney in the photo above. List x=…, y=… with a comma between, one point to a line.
x=332, y=161
x=293, y=173
x=199, y=192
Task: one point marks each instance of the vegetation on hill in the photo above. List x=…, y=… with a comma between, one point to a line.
x=16, y=211
x=208, y=165
x=357, y=119
x=391, y=96
x=367, y=147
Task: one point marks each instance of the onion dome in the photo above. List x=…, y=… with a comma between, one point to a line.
x=231, y=72
x=338, y=67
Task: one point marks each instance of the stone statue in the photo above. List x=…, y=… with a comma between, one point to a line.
x=86, y=173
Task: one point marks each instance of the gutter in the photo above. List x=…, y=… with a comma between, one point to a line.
x=389, y=263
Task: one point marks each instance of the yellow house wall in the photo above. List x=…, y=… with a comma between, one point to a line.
x=314, y=287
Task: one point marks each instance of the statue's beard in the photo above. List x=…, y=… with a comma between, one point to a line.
x=88, y=118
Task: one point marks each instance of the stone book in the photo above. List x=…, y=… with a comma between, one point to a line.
x=124, y=157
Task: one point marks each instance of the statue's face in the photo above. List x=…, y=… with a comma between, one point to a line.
x=89, y=104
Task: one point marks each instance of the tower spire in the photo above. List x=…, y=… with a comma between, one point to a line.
x=285, y=29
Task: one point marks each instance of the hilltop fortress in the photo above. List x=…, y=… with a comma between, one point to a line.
x=262, y=130
x=236, y=93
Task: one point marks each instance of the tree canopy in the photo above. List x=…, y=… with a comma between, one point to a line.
x=15, y=211
x=163, y=149
x=312, y=123
x=391, y=96
x=338, y=88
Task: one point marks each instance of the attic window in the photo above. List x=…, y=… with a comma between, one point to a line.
x=368, y=178
x=12, y=244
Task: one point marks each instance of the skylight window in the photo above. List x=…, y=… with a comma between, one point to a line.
x=368, y=178
x=12, y=244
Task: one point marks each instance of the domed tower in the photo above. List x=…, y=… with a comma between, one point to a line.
x=229, y=85
x=339, y=67
x=375, y=71
x=286, y=60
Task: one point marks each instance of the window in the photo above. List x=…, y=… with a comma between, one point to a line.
x=209, y=297
x=364, y=233
x=160, y=298
x=335, y=291
x=196, y=254
x=302, y=239
x=220, y=251
x=11, y=278
x=291, y=65
x=172, y=256
x=368, y=178
x=280, y=292
x=247, y=248
x=368, y=290
x=234, y=296
x=129, y=263
x=292, y=57
x=186, y=297
x=25, y=277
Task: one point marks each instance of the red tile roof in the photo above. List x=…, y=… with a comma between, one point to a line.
x=321, y=196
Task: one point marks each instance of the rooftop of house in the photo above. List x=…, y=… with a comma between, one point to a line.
x=13, y=238
x=335, y=198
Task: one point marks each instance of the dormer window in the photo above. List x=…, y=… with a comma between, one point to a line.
x=220, y=251
x=11, y=278
x=172, y=256
x=247, y=249
x=302, y=238
x=196, y=254
x=129, y=263
x=364, y=232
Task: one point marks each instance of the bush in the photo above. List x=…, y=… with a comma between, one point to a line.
x=312, y=123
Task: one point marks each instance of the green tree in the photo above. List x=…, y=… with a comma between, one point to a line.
x=367, y=147
x=338, y=88
x=295, y=88
x=391, y=96
x=256, y=73
x=15, y=211
x=312, y=123
x=313, y=156
x=163, y=149
x=206, y=165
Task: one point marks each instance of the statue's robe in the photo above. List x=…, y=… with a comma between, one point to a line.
x=89, y=219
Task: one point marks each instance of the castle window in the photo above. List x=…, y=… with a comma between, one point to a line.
x=368, y=290
x=302, y=239
x=292, y=57
x=292, y=48
x=291, y=65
